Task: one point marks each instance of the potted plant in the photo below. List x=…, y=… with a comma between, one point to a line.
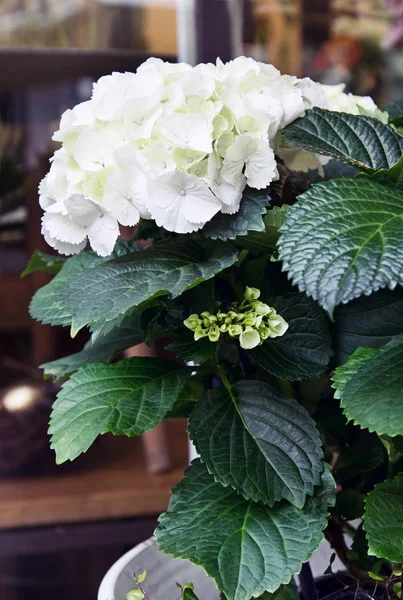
x=276, y=212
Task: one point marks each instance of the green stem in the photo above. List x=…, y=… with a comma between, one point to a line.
x=242, y=256
x=223, y=376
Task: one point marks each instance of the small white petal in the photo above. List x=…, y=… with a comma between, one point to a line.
x=118, y=199
x=63, y=247
x=103, y=233
x=63, y=228
x=188, y=131
x=229, y=195
x=82, y=210
x=181, y=202
x=261, y=169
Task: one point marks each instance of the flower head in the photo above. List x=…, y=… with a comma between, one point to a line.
x=174, y=143
x=250, y=321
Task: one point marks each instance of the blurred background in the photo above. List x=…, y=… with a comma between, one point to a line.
x=62, y=527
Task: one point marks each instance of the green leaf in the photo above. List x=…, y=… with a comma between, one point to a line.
x=304, y=351
x=266, y=240
x=126, y=398
x=248, y=218
x=370, y=386
x=103, y=348
x=344, y=238
x=284, y=592
x=247, y=547
x=170, y=268
x=43, y=262
x=383, y=520
x=187, y=592
x=142, y=577
x=188, y=397
x=394, y=109
x=134, y=595
x=186, y=348
x=363, y=142
x=48, y=305
x=382, y=115
x=363, y=455
x=391, y=177
x=368, y=321
x=343, y=374
x=260, y=442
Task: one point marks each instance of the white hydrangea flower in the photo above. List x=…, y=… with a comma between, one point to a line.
x=67, y=225
x=182, y=202
x=256, y=157
x=174, y=143
x=230, y=195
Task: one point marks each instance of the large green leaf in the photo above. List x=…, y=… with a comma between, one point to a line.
x=259, y=442
x=383, y=520
x=170, y=268
x=248, y=218
x=247, y=547
x=186, y=348
x=126, y=398
x=265, y=241
x=103, y=348
x=304, y=351
x=43, y=262
x=363, y=455
x=370, y=387
x=361, y=141
x=344, y=238
x=48, y=305
x=368, y=321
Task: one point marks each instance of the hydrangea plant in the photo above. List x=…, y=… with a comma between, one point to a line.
x=268, y=253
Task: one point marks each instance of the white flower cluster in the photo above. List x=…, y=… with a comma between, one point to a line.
x=170, y=142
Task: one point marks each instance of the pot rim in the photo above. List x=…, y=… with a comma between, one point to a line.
x=107, y=588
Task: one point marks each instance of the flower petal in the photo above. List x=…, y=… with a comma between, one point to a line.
x=103, y=234
x=63, y=228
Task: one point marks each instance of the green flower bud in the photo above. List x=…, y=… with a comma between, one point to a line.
x=223, y=327
x=249, y=338
x=251, y=293
x=264, y=332
x=205, y=314
x=249, y=321
x=232, y=314
x=192, y=322
x=214, y=334
x=206, y=322
x=234, y=330
x=212, y=319
x=200, y=333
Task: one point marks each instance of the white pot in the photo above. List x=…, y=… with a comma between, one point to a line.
x=163, y=572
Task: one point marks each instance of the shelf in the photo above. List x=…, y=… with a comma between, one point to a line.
x=111, y=481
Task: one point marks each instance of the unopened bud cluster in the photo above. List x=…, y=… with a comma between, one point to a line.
x=251, y=321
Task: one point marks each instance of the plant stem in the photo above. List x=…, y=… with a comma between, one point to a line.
x=335, y=537
x=223, y=376
x=307, y=582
